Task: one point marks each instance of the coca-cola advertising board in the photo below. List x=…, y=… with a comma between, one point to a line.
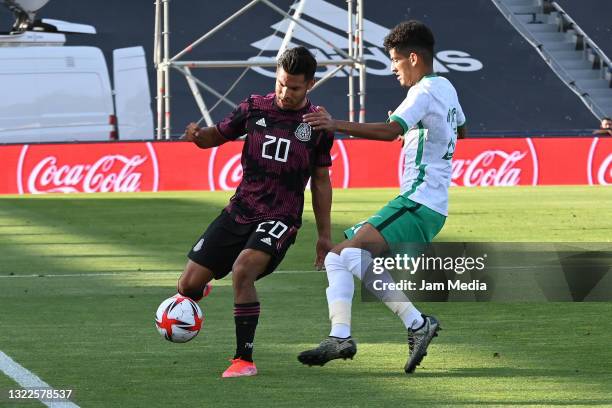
x=481, y=163
x=600, y=161
x=175, y=166
x=87, y=168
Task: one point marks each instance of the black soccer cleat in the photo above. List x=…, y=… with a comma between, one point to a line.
x=418, y=341
x=331, y=348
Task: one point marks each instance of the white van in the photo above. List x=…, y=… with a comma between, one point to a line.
x=54, y=93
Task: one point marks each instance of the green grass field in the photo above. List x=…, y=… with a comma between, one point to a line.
x=82, y=275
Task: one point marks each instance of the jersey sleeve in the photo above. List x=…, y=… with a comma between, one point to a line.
x=323, y=150
x=461, y=120
x=234, y=125
x=412, y=109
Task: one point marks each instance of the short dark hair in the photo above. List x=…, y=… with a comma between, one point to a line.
x=298, y=60
x=606, y=118
x=411, y=36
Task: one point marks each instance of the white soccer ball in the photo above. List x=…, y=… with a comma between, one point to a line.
x=179, y=319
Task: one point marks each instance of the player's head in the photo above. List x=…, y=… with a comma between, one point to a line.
x=294, y=77
x=411, y=47
x=606, y=123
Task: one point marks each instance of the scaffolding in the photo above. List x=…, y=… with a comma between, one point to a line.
x=165, y=62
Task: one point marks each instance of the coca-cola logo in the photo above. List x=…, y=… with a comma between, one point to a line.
x=599, y=165
x=87, y=168
x=225, y=168
x=495, y=167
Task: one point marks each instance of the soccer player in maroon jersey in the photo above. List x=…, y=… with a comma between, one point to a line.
x=254, y=232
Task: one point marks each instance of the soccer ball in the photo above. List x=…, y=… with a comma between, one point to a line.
x=178, y=319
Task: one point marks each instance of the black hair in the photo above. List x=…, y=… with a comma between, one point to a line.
x=297, y=61
x=411, y=36
x=606, y=118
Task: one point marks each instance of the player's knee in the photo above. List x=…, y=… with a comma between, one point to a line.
x=242, y=275
x=356, y=260
x=333, y=261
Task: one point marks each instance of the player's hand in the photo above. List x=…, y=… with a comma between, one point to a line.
x=191, y=132
x=324, y=245
x=320, y=120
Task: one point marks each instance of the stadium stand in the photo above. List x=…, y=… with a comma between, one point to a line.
x=566, y=47
x=504, y=85
x=594, y=19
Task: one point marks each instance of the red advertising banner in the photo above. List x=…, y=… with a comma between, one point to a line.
x=167, y=166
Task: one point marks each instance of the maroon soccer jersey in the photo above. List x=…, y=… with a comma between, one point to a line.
x=279, y=154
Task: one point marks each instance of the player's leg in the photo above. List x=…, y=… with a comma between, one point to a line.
x=356, y=255
x=194, y=282
x=340, y=290
x=353, y=257
x=212, y=256
x=250, y=264
x=339, y=343
x=248, y=267
x=263, y=252
x=420, y=328
x=401, y=221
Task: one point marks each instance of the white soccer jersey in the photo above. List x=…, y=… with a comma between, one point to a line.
x=429, y=116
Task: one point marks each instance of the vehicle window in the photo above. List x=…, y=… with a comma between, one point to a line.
x=53, y=94
x=74, y=92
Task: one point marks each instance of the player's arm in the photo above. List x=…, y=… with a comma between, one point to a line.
x=322, y=120
x=320, y=186
x=203, y=137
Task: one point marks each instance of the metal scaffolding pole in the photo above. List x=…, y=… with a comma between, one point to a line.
x=298, y=22
x=166, y=68
x=362, y=66
x=209, y=34
x=241, y=64
x=289, y=34
x=164, y=62
x=187, y=73
x=351, y=40
x=198, y=97
x=157, y=61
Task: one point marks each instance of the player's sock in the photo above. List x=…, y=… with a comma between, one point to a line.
x=340, y=331
x=339, y=295
x=357, y=261
x=412, y=318
x=246, y=316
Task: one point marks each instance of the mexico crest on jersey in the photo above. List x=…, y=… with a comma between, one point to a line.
x=303, y=132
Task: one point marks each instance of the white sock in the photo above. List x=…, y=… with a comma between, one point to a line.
x=339, y=295
x=411, y=318
x=357, y=261
x=340, y=330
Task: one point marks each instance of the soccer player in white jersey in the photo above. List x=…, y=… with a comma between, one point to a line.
x=431, y=120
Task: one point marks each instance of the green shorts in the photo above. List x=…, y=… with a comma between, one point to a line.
x=402, y=220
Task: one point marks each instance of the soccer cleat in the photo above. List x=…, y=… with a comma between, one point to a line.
x=330, y=349
x=418, y=341
x=206, y=290
x=240, y=368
